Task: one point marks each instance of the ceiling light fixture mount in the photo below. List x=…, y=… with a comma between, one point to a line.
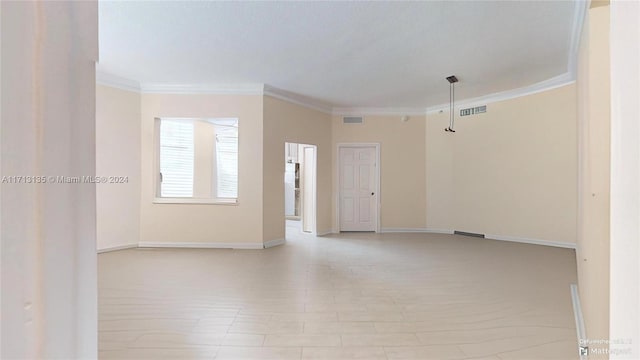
x=452, y=95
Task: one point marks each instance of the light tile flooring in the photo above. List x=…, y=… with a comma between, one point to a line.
x=352, y=296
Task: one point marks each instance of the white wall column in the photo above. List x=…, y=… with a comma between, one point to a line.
x=625, y=180
x=48, y=258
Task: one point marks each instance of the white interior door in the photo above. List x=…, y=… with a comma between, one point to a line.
x=308, y=188
x=358, y=184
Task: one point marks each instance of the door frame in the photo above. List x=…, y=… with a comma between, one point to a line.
x=314, y=190
x=377, y=177
x=314, y=229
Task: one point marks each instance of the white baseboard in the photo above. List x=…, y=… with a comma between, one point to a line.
x=324, y=233
x=202, y=245
x=416, y=230
x=116, y=248
x=560, y=244
x=274, y=242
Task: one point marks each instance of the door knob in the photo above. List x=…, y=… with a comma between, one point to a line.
x=372, y=194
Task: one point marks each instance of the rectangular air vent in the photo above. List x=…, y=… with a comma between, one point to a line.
x=352, y=120
x=473, y=110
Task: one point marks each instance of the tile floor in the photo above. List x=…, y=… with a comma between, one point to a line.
x=348, y=296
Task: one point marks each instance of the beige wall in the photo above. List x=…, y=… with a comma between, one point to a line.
x=402, y=166
x=287, y=122
x=200, y=223
x=594, y=130
x=508, y=172
x=118, y=154
x=491, y=176
x=440, y=206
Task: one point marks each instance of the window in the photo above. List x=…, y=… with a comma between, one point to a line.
x=227, y=161
x=197, y=160
x=176, y=158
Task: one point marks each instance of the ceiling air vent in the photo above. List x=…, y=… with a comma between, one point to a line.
x=473, y=110
x=352, y=120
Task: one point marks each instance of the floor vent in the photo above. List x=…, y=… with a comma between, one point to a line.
x=464, y=233
x=352, y=120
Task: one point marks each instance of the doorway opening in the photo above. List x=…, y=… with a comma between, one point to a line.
x=300, y=178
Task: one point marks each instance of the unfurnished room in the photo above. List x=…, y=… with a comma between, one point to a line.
x=320, y=180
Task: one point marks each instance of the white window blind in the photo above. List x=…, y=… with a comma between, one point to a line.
x=176, y=158
x=227, y=161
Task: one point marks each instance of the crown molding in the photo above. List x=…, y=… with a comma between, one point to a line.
x=210, y=89
x=115, y=81
x=297, y=99
x=549, y=84
x=107, y=79
x=579, y=14
x=118, y=82
x=377, y=111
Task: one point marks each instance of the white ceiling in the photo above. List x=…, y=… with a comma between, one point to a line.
x=344, y=54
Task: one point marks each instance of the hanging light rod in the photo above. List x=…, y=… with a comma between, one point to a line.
x=452, y=95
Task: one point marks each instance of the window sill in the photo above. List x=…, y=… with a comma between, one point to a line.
x=195, y=201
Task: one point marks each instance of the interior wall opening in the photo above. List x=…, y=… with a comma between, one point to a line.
x=300, y=179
